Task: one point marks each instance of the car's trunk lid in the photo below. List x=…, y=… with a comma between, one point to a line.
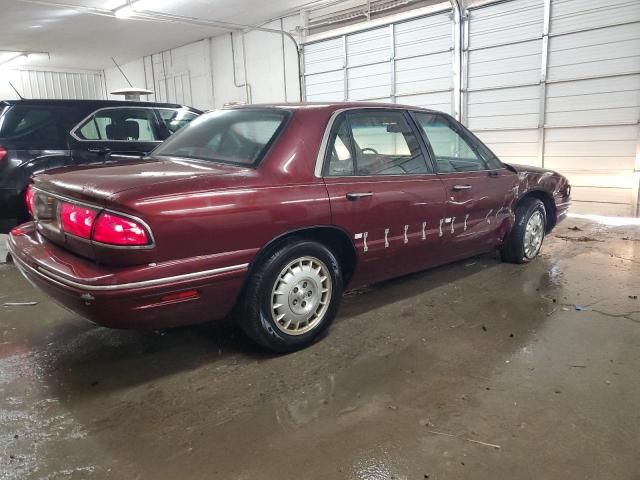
x=98, y=185
x=101, y=188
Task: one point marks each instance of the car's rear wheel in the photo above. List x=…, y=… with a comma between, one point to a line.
x=525, y=239
x=292, y=296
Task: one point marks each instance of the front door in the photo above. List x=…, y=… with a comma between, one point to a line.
x=384, y=193
x=479, y=198
x=116, y=132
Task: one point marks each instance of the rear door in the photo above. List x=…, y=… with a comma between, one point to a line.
x=116, y=131
x=480, y=191
x=383, y=192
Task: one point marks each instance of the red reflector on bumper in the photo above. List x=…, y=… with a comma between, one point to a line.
x=186, y=295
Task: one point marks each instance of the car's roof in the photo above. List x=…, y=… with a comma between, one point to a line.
x=331, y=106
x=94, y=103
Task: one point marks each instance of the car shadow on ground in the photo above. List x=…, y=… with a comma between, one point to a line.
x=84, y=356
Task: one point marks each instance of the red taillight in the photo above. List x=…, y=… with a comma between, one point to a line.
x=77, y=220
x=30, y=200
x=3, y=153
x=116, y=230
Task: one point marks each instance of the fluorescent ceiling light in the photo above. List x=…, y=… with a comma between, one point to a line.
x=130, y=9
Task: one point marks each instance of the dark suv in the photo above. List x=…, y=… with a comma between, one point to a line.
x=41, y=135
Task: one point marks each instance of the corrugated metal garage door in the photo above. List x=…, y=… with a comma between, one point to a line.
x=408, y=62
x=54, y=85
x=583, y=121
x=593, y=94
x=553, y=83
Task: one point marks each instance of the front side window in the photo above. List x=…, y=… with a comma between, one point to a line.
x=120, y=124
x=452, y=152
x=239, y=137
x=174, y=120
x=375, y=143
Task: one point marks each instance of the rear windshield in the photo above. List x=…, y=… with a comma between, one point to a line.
x=239, y=137
x=33, y=127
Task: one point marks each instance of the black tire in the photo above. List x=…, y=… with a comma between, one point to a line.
x=254, y=309
x=513, y=250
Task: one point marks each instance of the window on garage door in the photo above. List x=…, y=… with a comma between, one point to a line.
x=120, y=124
x=452, y=151
x=375, y=143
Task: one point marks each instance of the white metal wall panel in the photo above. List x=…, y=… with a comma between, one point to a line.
x=588, y=129
x=424, y=61
x=605, y=51
x=59, y=85
x=594, y=102
x=569, y=100
x=594, y=88
x=573, y=15
x=423, y=36
x=369, y=81
x=505, y=65
x=518, y=146
x=423, y=74
x=506, y=23
x=408, y=62
x=325, y=87
x=324, y=56
x=441, y=101
x=371, y=46
x=504, y=54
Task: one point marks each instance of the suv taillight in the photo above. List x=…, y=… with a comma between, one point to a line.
x=113, y=229
x=3, y=153
x=107, y=228
x=30, y=200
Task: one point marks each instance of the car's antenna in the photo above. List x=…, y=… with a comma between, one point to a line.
x=16, y=90
x=118, y=66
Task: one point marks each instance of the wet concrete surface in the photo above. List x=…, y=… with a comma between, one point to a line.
x=477, y=370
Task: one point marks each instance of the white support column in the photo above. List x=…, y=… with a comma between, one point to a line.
x=457, y=58
x=392, y=61
x=543, y=80
x=345, y=66
x=464, y=81
x=636, y=178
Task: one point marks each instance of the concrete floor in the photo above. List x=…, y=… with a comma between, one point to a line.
x=477, y=370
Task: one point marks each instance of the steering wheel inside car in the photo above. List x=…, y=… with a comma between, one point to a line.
x=375, y=152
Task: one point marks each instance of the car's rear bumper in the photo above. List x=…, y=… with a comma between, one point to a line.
x=133, y=297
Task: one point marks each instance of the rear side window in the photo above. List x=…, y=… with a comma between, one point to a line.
x=174, y=120
x=34, y=127
x=239, y=137
x=120, y=124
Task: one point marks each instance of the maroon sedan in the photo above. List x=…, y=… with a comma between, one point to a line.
x=270, y=212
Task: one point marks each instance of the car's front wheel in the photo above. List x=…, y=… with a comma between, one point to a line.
x=292, y=296
x=525, y=239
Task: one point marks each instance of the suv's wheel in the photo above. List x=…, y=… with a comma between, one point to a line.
x=525, y=240
x=292, y=296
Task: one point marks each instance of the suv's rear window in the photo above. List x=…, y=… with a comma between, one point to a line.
x=239, y=137
x=33, y=127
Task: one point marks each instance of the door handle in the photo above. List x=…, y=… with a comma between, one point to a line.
x=493, y=173
x=100, y=151
x=358, y=195
x=457, y=188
